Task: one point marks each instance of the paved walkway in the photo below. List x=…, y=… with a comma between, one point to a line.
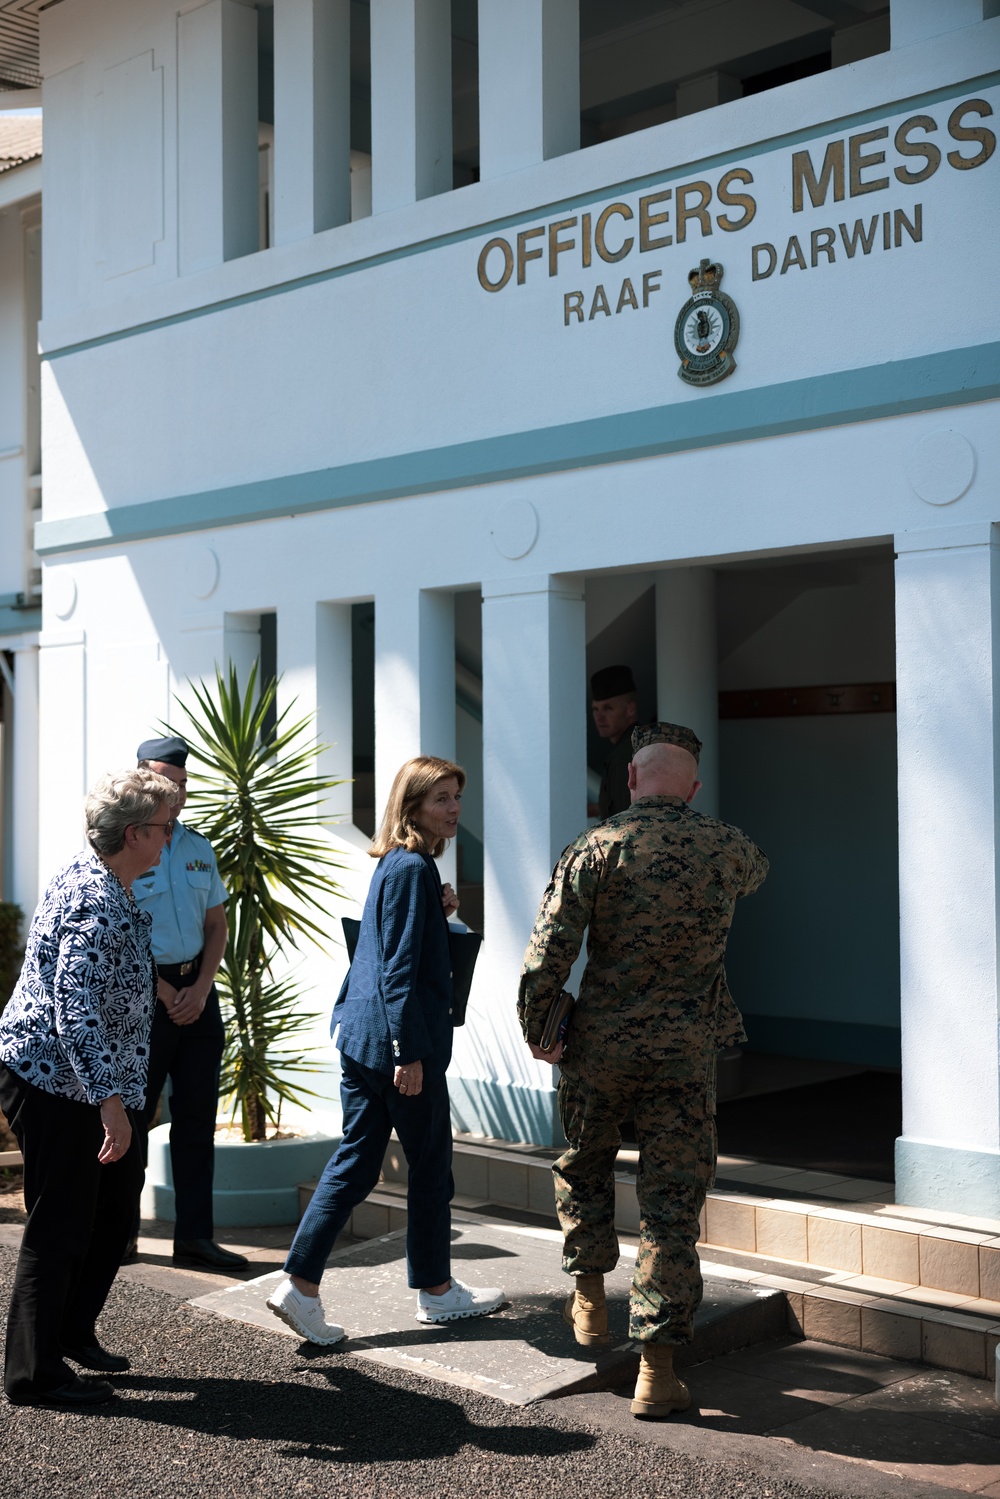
x=522, y=1353
x=215, y=1406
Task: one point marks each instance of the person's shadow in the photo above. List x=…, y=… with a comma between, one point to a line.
x=352, y=1417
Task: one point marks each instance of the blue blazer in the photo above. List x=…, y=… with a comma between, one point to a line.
x=396, y=1001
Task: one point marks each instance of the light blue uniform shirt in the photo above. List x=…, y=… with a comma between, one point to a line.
x=178, y=892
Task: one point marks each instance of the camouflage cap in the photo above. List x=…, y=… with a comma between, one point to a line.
x=666, y=733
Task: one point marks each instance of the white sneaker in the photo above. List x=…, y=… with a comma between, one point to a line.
x=304, y=1314
x=459, y=1301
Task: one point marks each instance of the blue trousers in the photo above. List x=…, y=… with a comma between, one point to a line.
x=373, y=1107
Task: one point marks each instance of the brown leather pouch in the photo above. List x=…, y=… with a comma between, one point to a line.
x=557, y=1020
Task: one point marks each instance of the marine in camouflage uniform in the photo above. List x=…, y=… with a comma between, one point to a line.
x=655, y=887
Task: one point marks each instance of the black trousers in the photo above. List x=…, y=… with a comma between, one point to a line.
x=191, y=1056
x=79, y=1217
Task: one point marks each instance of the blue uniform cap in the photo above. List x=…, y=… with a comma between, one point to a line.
x=169, y=751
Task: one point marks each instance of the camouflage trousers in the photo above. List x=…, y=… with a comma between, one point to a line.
x=673, y=1105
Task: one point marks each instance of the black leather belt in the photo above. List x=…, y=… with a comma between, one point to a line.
x=173, y=972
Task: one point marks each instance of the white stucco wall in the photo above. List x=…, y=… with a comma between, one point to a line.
x=354, y=416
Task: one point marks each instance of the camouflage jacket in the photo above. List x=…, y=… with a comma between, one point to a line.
x=656, y=887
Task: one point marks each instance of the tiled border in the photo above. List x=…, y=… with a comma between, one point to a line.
x=933, y=1262
x=924, y=1291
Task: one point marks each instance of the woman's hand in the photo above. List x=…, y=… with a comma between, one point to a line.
x=449, y=899
x=117, y=1130
x=410, y=1079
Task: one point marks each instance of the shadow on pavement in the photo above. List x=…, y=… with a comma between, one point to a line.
x=329, y=1423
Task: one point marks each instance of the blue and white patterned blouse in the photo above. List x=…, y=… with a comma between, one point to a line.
x=79, y=1019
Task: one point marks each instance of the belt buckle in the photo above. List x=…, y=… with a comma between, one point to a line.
x=184, y=968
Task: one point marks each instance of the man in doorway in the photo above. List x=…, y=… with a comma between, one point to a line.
x=615, y=707
x=186, y=901
x=654, y=890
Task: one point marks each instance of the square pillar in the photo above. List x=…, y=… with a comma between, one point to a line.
x=529, y=83
x=534, y=793
x=334, y=702
x=687, y=674
x=912, y=21
x=947, y=619
x=217, y=134
x=411, y=101
x=62, y=760
x=414, y=687
x=241, y=646
x=312, y=117
x=24, y=821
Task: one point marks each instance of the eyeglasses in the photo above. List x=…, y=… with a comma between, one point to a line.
x=168, y=825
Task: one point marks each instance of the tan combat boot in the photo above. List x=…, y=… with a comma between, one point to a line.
x=658, y=1391
x=587, y=1313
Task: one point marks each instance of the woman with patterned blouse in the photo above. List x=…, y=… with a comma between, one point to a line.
x=74, y=1042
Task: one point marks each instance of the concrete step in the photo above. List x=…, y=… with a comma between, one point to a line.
x=897, y=1281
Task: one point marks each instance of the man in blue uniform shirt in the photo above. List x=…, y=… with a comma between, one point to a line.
x=186, y=900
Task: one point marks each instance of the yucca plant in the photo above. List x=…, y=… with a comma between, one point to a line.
x=255, y=797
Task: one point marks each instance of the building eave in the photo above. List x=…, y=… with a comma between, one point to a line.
x=18, y=183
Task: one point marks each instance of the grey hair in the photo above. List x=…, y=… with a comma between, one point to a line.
x=126, y=798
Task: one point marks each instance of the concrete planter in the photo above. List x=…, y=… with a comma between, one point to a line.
x=254, y=1184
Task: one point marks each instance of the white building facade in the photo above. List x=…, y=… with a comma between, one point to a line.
x=20, y=504
x=423, y=449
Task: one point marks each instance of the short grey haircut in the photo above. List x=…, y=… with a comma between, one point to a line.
x=123, y=799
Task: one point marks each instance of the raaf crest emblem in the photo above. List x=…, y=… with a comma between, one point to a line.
x=707, y=328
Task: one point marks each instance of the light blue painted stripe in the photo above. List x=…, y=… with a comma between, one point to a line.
x=504, y=1112
x=951, y=1179
x=490, y=227
x=19, y=621
x=925, y=383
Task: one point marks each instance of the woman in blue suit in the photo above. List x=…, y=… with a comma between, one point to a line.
x=395, y=1017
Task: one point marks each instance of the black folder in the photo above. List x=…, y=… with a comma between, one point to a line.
x=464, y=952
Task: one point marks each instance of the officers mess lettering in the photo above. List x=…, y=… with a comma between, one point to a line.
x=849, y=167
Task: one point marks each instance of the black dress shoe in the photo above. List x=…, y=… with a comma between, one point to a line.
x=77, y=1392
x=131, y=1251
x=93, y=1356
x=205, y=1252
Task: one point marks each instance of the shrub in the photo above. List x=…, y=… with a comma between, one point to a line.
x=10, y=949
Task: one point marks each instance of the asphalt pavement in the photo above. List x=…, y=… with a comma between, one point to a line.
x=219, y=1409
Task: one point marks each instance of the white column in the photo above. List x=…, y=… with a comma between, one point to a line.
x=947, y=616
x=312, y=117
x=913, y=21
x=62, y=760
x=217, y=133
x=334, y=702
x=534, y=791
x=241, y=646
x=411, y=101
x=24, y=749
x=529, y=83
x=414, y=686
x=687, y=681
x=6, y=779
